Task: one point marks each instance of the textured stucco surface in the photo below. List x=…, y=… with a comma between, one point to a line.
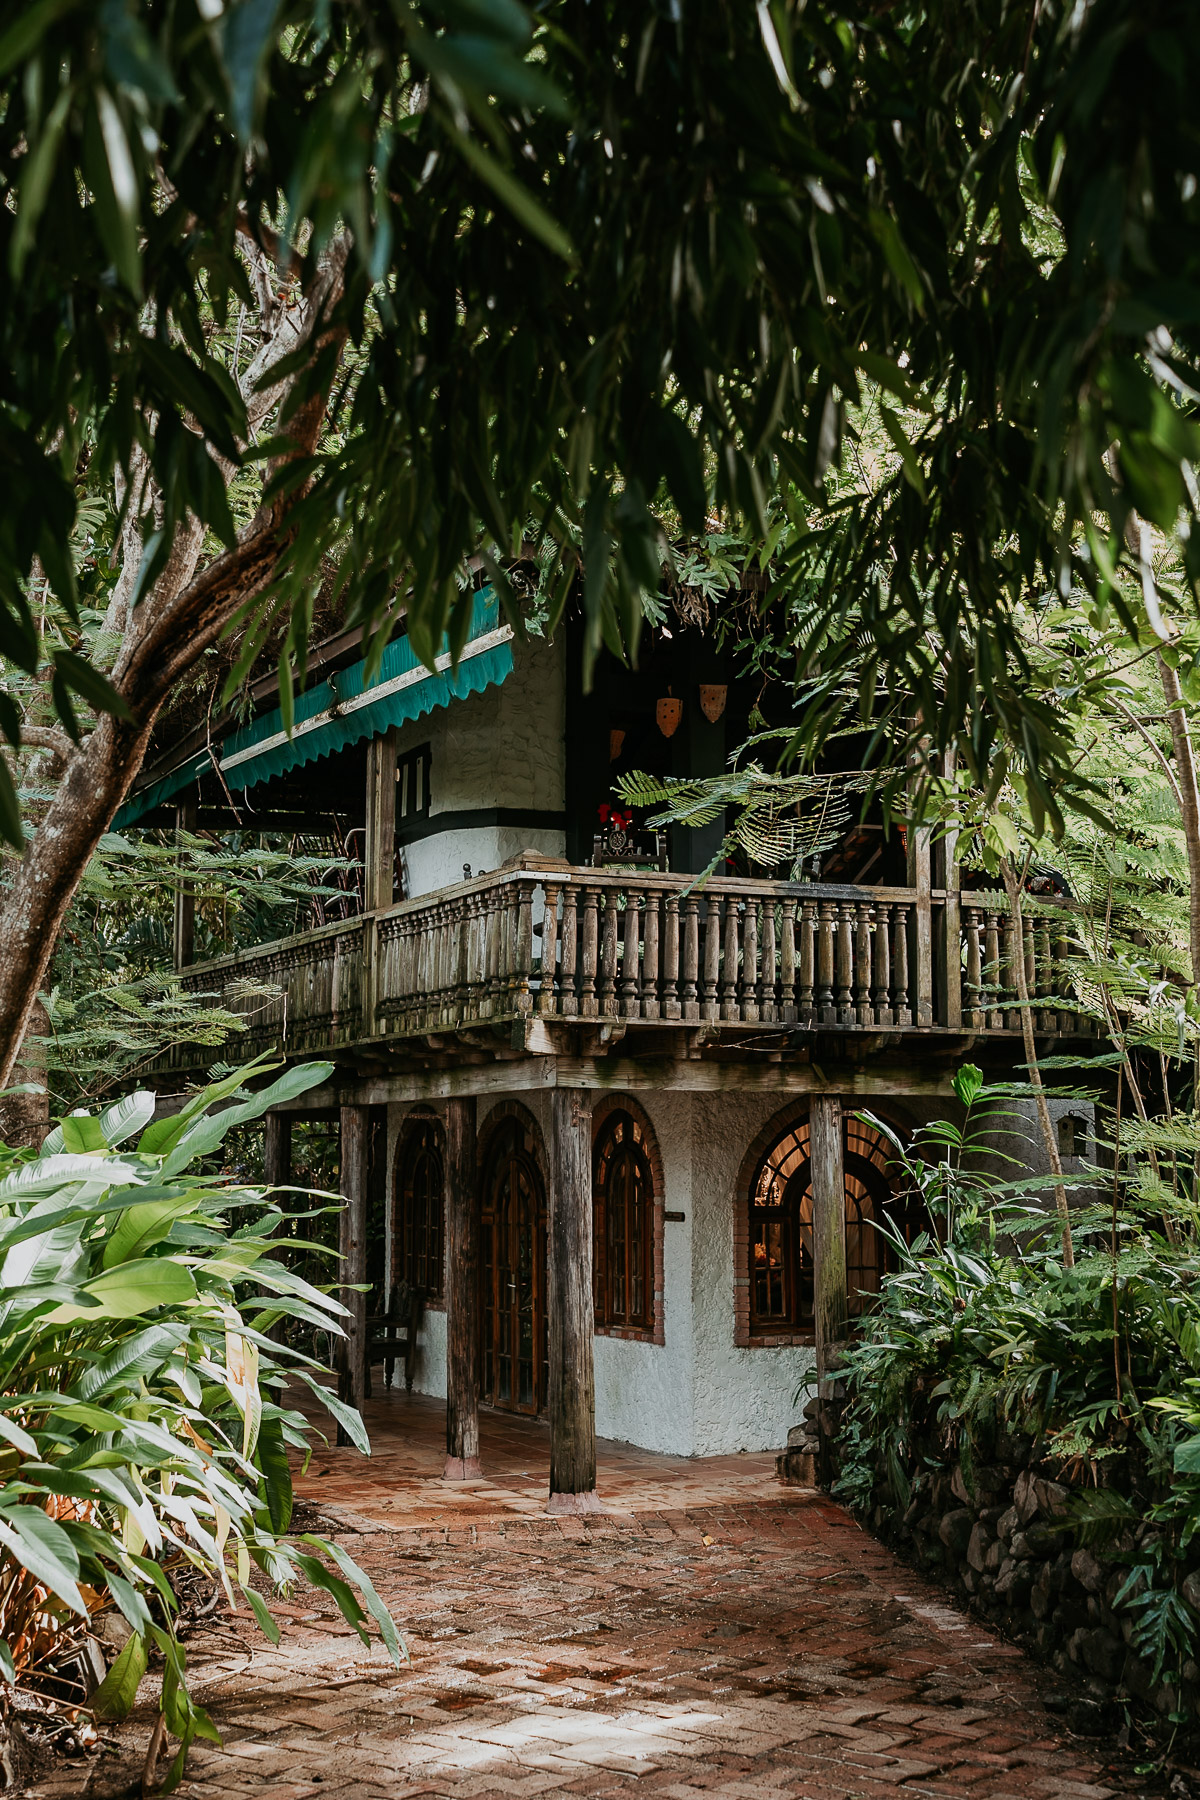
x=502, y=748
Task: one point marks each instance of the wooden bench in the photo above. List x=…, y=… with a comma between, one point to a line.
x=392, y=1335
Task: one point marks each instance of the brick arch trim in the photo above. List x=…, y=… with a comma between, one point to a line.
x=786, y=1119
x=602, y=1111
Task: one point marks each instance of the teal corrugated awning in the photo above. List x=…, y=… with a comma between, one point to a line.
x=343, y=710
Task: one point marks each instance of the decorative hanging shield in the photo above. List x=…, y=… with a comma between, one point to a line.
x=668, y=712
x=713, y=695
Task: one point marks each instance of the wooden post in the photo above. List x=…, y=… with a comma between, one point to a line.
x=920, y=877
x=277, y=1149
x=185, y=897
x=462, y=1293
x=355, y=1175
x=571, y=1314
x=945, y=875
x=379, y=854
x=829, y=1259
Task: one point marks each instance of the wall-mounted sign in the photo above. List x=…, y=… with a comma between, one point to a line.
x=668, y=712
x=713, y=695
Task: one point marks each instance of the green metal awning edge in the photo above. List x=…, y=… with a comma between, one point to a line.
x=340, y=711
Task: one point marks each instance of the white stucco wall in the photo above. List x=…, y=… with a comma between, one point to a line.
x=502, y=748
x=742, y=1397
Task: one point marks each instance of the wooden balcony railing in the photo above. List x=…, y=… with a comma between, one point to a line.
x=555, y=943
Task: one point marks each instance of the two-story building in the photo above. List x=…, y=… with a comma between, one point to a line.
x=613, y=1120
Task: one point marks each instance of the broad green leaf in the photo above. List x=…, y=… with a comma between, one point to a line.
x=127, y=1115
x=145, y=1225
x=515, y=196
x=259, y=1608
x=114, y=1698
x=347, y=1417
x=40, y=1545
x=132, y=1360
x=129, y=1289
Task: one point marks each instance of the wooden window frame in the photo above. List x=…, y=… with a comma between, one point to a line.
x=416, y=1127
x=603, y=1114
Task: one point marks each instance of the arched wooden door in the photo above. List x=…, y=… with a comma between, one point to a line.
x=514, y=1274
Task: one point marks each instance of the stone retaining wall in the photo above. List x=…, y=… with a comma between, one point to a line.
x=1007, y=1540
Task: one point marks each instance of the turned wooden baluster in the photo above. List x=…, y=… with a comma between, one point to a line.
x=973, y=1016
x=1012, y=1012
x=670, y=997
x=901, y=1008
x=864, y=1012
x=787, y=964
x=845, y=963
x=546, y=998
x=650, y=957
x=607, y=990
x=991, y=970
x=826, y=936
x=567, y=1000
x=710, y=1002
x=767, y=986
x=631, y=983
x=1067, y=1020
x=750, y=1006
x=691, y=957
x=1045, y=969
x=806, y=1010
x=881, y=994
x=729, y=962
x=589, y=953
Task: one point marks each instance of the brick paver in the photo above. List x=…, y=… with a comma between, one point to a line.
x=693, y=1644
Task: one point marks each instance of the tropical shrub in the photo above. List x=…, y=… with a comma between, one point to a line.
x=985, y=1349
x=145, y=1425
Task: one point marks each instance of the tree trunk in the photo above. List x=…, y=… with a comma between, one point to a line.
x=354, y=1179
x=1012, y=887
x=830, y=1311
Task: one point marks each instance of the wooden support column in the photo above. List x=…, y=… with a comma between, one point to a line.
x=920, y=877
x=277, y=1149
x=571, y=1313
x=829, y=1260
x=185, y=897
x=355, y=1176
x=462, y=1293
x=379, y=855
x=945, y=875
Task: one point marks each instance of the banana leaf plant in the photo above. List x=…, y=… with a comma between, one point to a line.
x=146, y=1420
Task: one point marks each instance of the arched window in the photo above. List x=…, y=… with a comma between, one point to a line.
x=623, y=1225
x=420, y=1209
x=780, y=1226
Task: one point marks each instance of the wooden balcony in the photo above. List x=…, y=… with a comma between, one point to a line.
x=517, y=954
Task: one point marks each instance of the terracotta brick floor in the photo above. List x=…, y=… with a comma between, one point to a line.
x=714, y=1636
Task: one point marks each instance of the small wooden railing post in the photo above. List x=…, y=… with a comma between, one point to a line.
x=787, y=964
x=631, y=985
x=806, y=1009
x=567, y=1002
x=901, y=1005
x=991, y=969
x=882, y=993
x=607, y=989
x=729, y=962
x=973, y=1015
x=690, y=990
x=710, y=1005
x=863, y=1010
x=589, y=953
x=826, y=931
x=751, y=1011
x=1062, y=952
x=845, y=963
x=1049, y=1016
x=768, y=987
x=1012, y=1014
x=546, y=998
x=670, y=1001
x=650, y=1002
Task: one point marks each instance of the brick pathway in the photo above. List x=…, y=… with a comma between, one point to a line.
x=692, y=1644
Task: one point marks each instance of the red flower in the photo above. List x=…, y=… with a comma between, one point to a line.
x=603, y=812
